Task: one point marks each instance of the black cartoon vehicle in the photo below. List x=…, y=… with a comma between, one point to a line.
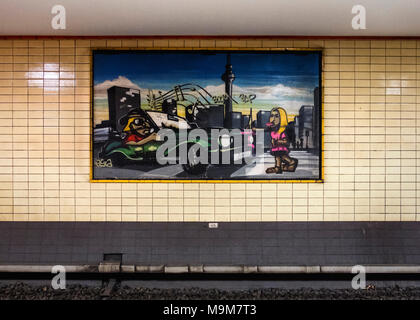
x=141, y=140
x=133, y=135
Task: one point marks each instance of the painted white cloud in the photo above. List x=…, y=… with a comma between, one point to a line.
x=278, y=91
x=290, y=97
x=293, y=106
x=220, y=89
x=121, y=81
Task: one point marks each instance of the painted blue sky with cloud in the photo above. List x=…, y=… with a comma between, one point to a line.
x=165, y=69
x=284, y=76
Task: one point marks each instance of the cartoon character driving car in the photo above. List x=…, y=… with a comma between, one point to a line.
x=138, y=129
x=280, y=142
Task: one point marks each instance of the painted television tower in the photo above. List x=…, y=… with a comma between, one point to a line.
x=228, y=78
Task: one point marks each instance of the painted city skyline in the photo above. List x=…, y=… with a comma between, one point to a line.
x=276, y=79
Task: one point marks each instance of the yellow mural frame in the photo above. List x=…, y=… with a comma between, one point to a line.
x=321, y=180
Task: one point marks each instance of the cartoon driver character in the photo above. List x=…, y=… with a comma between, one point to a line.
x=280, y=142
x=138, y=129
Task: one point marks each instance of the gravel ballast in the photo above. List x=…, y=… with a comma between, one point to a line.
x=22, y=291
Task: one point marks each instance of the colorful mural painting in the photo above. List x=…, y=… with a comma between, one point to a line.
x=206, y=115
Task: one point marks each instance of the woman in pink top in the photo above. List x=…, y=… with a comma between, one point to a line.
x=280, y=142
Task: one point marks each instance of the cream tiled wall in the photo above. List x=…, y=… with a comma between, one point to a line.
x=371, y=140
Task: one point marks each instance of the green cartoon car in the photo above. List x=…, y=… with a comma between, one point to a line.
x=140, y=140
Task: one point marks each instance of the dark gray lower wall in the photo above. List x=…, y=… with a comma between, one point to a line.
x=271, y=243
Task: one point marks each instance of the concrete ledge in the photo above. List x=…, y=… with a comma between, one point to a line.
x=47, y=268
x=223, y=269
x=109, y=267
x=180, y=269
x=150, y=269
x=250, y=269
x=115, y=267
x=282, y=269
x=128, y=268
x=336, y=269
x=196, y=269
x=392, y=269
